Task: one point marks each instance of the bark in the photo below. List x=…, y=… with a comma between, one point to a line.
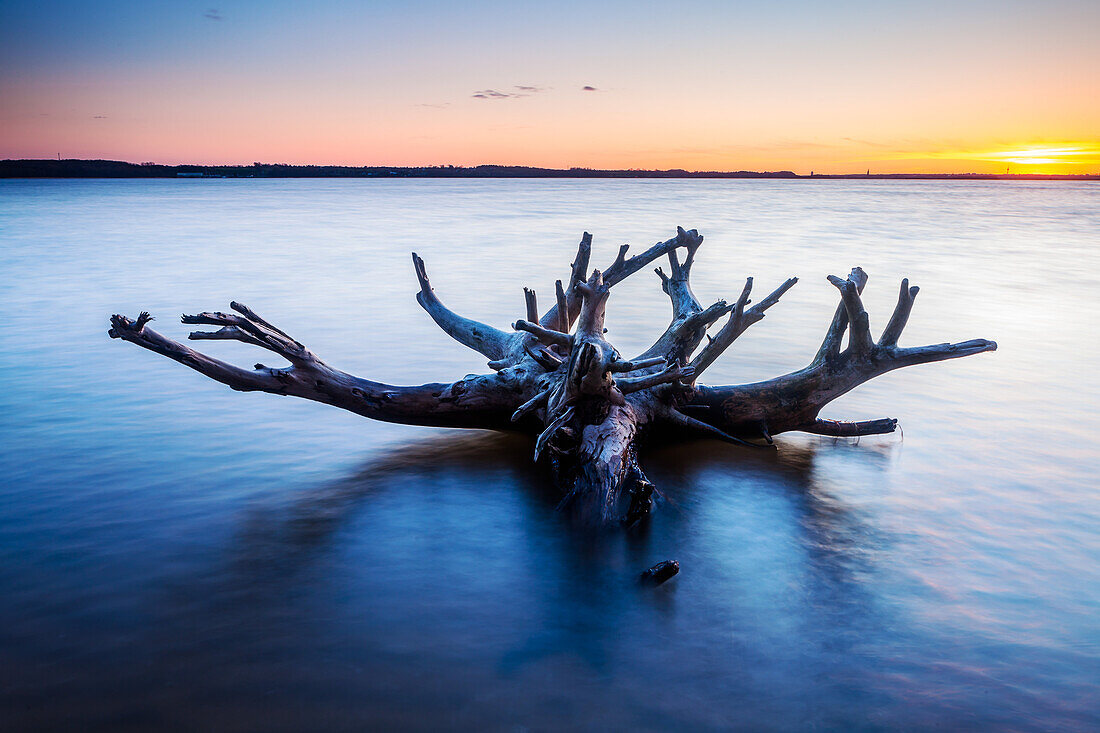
x=793, y=401
x=569, y=388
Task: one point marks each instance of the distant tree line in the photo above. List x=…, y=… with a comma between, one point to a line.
x=49, y=168
x=119, y=169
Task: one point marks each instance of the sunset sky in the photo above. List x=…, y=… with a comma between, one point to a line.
x=832, y=87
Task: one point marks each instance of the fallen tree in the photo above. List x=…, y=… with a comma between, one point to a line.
x=557, y=378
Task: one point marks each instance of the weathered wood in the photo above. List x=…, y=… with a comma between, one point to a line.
x=660, y=572
x=491, y=342
x=545, y=335
x=739, y=320
x=532, y=304
x=570, y=388
x=473, y=402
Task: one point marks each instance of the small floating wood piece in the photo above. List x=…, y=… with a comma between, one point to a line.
x=660, y=572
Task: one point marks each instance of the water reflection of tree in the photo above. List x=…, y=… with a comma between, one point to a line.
x=280, y=589
x=291, y=524
x=314, y=508
x=589, y=572
x=841, y=540
x=310, y=516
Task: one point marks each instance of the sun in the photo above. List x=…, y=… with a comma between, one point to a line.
x=1039, y=158
x=1044, y=155
x=1051, y=157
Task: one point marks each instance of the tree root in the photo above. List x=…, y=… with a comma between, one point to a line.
x=557, y=378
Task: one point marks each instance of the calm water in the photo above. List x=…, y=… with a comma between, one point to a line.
x=178, y=555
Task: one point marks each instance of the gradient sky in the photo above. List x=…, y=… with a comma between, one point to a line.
x=832, y=87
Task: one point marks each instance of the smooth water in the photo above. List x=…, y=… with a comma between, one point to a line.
x=180, y=556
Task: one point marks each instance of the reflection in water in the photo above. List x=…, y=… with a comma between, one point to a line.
x=299, y=522
x=571, y=606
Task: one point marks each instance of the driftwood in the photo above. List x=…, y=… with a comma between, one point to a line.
x=660, y=572
x=586, y=406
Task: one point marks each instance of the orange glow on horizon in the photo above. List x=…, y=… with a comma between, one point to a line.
x=1060, y=157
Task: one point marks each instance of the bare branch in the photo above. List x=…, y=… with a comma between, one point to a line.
x=620, y=259
x=831, y=345
x=939, y=352
x=257, y=332
x=689, y=320
x=859, y=337
x=622, y=365
x=251, y=315
x=851, y=429
x=532, y=305
x=486, y=340
x=228, y=332
x=756, y=313
x=671, y=373
x=792, y=402
x=239, y=379
x=684, y=335
x=677, y=285
x=546, y=435
x=900, y=317
x=664, y=278
x=545, y=358
x=560, y=317
x=619, y=270
x=532, y=404
x=545, y=335
x=580, y=262
x=593, y=306
x=563, y=321
x=622, y=269
x=681, y=420
x=474, y=402
x=739, y=321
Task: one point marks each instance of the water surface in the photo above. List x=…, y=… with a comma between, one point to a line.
x=181, y=556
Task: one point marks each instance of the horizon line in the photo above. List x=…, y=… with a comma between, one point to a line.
x=33, y=168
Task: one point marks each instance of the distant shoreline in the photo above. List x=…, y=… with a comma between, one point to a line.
x=48, y=168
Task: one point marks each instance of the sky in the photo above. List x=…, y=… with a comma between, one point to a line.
x=837, y=87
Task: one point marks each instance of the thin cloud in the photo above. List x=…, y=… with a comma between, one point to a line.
x=439, y=105
x=587, y=88
x=99, y=117
x=212, y=14
x=521, y=91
